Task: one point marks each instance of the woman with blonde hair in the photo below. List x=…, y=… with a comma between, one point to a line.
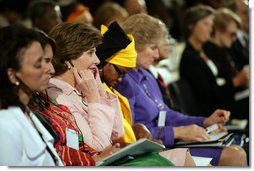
x=226, y=24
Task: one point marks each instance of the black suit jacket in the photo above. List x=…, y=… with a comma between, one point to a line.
x=209, y=96
x=240, y=54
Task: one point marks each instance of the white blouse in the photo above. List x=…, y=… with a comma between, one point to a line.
x=20, y=142
x=213, y=68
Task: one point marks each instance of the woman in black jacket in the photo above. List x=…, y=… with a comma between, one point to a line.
x=210, y=91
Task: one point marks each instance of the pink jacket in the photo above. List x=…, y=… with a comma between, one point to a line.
x=99, y=122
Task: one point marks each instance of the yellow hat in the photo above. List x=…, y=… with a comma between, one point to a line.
x=125, y=57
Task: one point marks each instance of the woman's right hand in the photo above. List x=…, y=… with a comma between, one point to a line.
x=242, y=78
x=190, y=133
x=107, y=152
x=86, y=84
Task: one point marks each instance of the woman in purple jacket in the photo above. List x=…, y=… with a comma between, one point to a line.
x=147, y=104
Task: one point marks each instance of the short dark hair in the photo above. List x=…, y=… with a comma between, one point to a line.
x=14, y=5
x=38, y=8
x=14, y=40
x=193, y=15
x=72, y=39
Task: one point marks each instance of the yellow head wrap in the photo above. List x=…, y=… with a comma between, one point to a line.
x=126, y=57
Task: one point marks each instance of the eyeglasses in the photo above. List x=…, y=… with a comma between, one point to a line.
x=119, y=72
x=232, y=34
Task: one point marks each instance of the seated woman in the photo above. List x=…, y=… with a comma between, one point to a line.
x=76, y=84
x=108, y=12
x=24, y=140
x=226, y=24
x=147, y=105
x=44, y=14
x=117, y=55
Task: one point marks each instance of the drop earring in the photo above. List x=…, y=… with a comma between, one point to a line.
x=17, y=83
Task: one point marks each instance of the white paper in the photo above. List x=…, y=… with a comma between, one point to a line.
x=237, y=124
x=211, y=128
x=242, y=94
x=215, y=137
x=202, y=161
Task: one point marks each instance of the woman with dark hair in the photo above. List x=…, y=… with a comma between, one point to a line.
x=44, y=14
x=209, y=89
x=77, y=84
x=24, y=140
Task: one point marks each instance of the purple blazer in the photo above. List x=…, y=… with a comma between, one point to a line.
x=146, y=102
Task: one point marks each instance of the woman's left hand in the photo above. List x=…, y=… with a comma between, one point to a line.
x=219, y=116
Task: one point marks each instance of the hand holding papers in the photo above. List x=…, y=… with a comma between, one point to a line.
x=216, y=139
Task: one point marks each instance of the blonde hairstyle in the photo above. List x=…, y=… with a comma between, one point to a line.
x=108, y=13
x=164, y=32
x=145, y=29
x=223, y=17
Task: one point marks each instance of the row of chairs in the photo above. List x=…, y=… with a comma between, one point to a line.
x=183, y=96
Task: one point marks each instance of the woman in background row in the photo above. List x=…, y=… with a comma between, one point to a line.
x=226, y=24
x=24, y=140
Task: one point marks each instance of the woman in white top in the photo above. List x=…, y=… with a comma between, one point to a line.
x=24, y=140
